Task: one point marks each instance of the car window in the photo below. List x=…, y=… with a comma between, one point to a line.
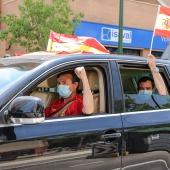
x=11, y=70
x=8, y=75
x=47, y=89
x=135, y=101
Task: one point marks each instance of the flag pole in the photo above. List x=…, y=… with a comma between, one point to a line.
x=154, y=30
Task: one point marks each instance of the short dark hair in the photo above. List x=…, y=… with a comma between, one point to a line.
x=144, y=79
x=74, y=76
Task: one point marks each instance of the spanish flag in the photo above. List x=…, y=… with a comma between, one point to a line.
x=68, y=44
x=162, y=25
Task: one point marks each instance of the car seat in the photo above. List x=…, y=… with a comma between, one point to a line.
x=93, y=79
x=46, y=96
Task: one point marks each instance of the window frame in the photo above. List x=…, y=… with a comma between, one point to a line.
x=102, y=66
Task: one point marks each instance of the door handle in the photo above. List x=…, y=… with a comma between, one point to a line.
x=110, y=136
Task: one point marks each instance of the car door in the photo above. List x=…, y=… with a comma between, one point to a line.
x=80, y=142
x=146, y=122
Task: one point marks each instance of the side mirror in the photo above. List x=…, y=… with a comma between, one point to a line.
x=26, y=110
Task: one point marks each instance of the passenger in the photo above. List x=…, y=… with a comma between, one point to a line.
x=146, y=84
x=71, y=103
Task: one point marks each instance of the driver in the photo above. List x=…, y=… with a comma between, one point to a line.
x=71, y=103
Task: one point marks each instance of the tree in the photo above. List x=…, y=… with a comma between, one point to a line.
x=31, y=30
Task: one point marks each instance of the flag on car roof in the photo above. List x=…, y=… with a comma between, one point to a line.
x=162, y=25
x=68, y=44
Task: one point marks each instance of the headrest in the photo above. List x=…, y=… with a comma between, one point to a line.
x=49, y=83
x=93, y=80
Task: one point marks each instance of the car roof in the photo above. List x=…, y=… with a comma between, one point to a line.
x=41, y=57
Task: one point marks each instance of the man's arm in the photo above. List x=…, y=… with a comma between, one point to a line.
x=87, y=95
x=159, y=82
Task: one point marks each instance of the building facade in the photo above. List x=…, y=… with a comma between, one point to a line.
x=101, y=21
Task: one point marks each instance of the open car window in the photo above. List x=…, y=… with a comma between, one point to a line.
x=47, y=89
x=137, y=102
x=130, y=77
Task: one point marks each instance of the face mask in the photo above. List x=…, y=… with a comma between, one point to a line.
x=145, y=94
x=64, y=91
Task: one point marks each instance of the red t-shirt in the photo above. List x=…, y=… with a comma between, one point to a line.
x=75, y=108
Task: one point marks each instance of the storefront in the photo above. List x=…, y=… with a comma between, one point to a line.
x=135, y=41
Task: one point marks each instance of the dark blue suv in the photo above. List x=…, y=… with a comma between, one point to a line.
x=123, y=132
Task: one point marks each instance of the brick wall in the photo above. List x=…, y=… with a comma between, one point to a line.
x=107, y=12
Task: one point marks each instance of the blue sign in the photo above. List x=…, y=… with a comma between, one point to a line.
x=132, y=37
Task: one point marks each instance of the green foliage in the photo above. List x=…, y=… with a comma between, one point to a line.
x=132, y=106
x=159, y=102
x=32, y=29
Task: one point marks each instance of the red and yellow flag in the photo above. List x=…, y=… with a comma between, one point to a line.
x=67, y=44
x=162, y=25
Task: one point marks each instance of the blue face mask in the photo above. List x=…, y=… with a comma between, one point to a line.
x=145, y=94
x=64, y=91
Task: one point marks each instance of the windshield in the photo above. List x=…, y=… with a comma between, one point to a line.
x=8, y=75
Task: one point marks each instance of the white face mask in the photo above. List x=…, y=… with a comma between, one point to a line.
x=145, y=94
x=64, y=91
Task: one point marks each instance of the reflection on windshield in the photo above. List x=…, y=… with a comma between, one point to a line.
x=9, y=75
